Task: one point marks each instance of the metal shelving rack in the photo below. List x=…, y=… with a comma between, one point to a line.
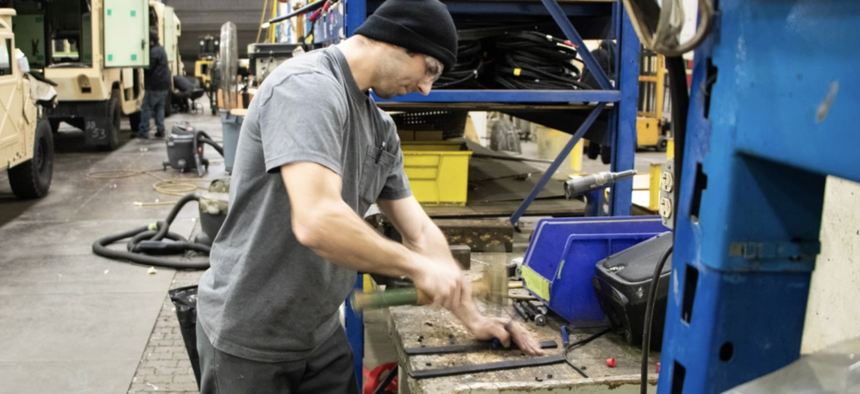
x=571, y=111
x=618, y=99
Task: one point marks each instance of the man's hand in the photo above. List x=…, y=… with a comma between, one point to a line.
x=441, y=280
x=505, y=331
x=486, y=328
x=524, y=339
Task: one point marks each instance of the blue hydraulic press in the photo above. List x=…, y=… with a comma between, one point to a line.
x=774, y=93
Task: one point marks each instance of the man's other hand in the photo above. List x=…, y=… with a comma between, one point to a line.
x=505, y=331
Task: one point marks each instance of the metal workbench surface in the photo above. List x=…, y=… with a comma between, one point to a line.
x=413, y=326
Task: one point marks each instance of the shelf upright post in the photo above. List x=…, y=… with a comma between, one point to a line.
x=623, y=124
x=356, y=13
x=355, y=331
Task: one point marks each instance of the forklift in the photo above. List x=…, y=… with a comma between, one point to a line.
x=206, y=69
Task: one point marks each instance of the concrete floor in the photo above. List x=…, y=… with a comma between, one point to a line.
x=74, y=322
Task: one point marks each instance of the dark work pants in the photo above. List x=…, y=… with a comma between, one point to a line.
x=329, y=369
x=153, y=104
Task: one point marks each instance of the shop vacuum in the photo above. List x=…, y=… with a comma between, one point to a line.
x=150, y=244
x=185, y=148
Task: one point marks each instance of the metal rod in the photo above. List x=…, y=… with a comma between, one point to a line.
x=515, y=364
x=557, y=163
x=510, y=158
x=467, y=348
x=304, y=10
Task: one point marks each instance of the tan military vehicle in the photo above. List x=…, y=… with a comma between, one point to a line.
x=95, y=50
x=26, y=143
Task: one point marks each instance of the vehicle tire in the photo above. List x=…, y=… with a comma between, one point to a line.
x=114, y=112
x=32, y=179
x=662, y=145
x=592, y=150
x=134, y=120
x=606, y=154
x=55, y=125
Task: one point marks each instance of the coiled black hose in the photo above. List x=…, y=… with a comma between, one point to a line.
x=464, y=73
x=151, y=239
x=533, y=60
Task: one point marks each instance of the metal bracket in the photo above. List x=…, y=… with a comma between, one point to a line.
x=794, y=251
x=413, y=351
x=499, y=366
x=557, y=162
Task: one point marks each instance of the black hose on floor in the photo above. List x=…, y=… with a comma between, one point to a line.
x=148, y=241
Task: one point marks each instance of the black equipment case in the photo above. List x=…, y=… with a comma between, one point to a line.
x=622, y=283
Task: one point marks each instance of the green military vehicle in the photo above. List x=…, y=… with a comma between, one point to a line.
x=26, y=143
x=95, y=50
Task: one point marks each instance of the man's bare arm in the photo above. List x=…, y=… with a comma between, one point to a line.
x=422, y=236
x=323, y=222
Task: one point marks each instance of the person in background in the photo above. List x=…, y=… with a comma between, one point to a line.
x=157, y=86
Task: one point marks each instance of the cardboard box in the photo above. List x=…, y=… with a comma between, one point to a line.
x=429, y=136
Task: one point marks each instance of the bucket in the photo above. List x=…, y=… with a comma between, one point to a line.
x=231, y=125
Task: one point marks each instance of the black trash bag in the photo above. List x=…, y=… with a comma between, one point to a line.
x=185, y=300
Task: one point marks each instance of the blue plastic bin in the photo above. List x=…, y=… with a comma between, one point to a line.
x=562, y=254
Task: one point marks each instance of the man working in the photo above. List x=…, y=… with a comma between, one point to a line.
x=157, y=85
x=314, y=153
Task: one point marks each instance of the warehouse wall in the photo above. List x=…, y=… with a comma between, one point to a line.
x=202, y=17
x=832, y=314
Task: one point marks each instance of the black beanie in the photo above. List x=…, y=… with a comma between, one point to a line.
x=422, y=26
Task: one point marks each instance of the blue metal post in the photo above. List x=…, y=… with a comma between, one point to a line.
x=556, y=163
x=623, y=125
x=594, y=201
x=355, y=332
x=759, y=145
x=355, y=13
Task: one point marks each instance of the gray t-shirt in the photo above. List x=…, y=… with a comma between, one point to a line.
x=267, y=297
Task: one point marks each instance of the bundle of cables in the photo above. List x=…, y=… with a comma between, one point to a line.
x=464, y=73
x=533, y=60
